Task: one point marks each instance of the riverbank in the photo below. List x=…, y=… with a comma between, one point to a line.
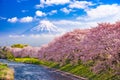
x=25, y=71
x=52, y=66
x=6, y=73
x=82, y=71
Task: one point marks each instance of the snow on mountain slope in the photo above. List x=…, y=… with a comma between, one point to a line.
x=44, y=27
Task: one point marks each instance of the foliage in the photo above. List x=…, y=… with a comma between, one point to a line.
x=25, y=52
x=4, y=53
x=10, y=56
x=19, y=45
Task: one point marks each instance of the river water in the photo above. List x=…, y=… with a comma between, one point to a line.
x=34, y=72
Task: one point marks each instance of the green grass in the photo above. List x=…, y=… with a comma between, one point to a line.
x=6, y=73
x=37, y=61
x=82, y=70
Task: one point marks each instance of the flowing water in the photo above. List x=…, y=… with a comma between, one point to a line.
x=34, y=72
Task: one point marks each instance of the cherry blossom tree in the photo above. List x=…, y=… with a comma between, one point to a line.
x=100, y=45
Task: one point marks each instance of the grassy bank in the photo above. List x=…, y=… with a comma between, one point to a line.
x=4, y=54
x=6, y=73
x=82, y=70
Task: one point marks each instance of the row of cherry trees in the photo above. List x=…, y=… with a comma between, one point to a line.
x=25, y=52
x=100, y=44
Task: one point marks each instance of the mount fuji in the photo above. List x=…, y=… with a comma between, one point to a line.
x=44, y=27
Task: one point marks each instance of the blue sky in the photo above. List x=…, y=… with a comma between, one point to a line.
x=17, y=16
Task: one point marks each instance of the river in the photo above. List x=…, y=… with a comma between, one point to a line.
x=35, y=72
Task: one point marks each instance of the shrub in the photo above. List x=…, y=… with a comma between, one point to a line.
x=19, y=45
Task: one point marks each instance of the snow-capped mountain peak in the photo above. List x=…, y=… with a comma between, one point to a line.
x=45, y=26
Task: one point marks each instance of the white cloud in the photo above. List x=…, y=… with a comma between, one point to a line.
x=39, y=6
x=80, y=4
x=70, y=24
x=26, y=19
x=33, y=40
x=43, y=35
x=2, y=18
x=19, y=1
x=50, y=2
x=44, y=3
x=34, y=36
x=65, y=10
x=65, y=22
x=13, y=20
x=53, y=12
x=102, y=13
x=40, y=13
x=22, y=20
x=24, y=11
x=16, y=36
